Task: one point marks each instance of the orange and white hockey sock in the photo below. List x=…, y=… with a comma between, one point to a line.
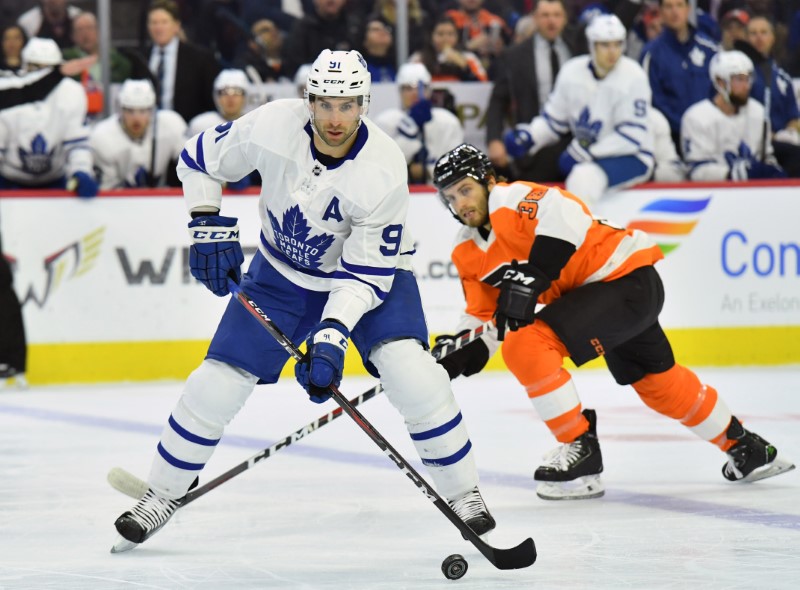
x=556, y=401
x=679, y=394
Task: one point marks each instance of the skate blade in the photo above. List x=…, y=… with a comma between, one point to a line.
x=122, y=544
x=582, y=488
x=777, y=467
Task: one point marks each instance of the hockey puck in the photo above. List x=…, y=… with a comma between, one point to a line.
x=454, y=567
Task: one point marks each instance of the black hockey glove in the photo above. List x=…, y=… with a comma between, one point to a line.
x=466, y=361
x=516, y=306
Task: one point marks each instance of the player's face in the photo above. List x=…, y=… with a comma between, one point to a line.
x=336, y=121
x=606, y=55
x=740, y=89
x=410, y=95
x=136, y=121
x=469, y=199
x=231, y=102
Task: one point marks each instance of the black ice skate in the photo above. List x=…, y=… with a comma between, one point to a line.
x=145, y=519
x=10, y=378
x=572, y=471
x=751, y=458
x=472, y=510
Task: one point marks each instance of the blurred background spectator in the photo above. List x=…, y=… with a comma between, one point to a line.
x=482, y=32
x=51, y=19
x=420, y=13
x=262, y=57
x=445, y=59
x=379, y=51
x=14, y=39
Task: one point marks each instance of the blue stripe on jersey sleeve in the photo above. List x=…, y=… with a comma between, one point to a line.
x=368, y=270
x=76, y=140
x=187, y=159
x=201, y=159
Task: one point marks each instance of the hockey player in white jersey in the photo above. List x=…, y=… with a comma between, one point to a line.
x=231, y=89
x=43, y=144
x=423, y=132
x=725, y=137
x=602, y=99
x=333, y=263
x=140, y=146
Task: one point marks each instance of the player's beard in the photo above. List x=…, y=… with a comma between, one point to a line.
x=322, y=134
x=481, y=213
x=738, y=100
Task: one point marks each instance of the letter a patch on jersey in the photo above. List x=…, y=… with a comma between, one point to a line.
x=332, y=212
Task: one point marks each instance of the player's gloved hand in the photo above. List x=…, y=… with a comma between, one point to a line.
x=323, y=363
x=421, y=112
x=85, y=185
x=516, y=306
x=215, y=253
x=518, y=141
x=466, y=361
x=239, y=185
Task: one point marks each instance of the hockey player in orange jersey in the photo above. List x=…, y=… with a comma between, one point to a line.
x=525, y=243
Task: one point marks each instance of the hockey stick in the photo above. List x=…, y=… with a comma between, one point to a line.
x=517, y=557
x=130, y=485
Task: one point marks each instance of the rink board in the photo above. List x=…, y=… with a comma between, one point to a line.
x=107, y=294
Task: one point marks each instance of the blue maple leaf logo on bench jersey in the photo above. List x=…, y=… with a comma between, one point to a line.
x=292, y=238
x=587, y=130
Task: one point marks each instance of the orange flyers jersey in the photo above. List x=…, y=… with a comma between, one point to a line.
x=519, y=212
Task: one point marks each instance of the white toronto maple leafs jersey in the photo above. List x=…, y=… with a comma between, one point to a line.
x=607, y=117
x=124, y=162
x=709, y=138
x=340, y=229
x=46, y=140
x=440, y=135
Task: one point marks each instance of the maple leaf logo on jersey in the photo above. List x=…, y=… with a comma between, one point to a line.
x=292, y=237
x=38, y=160
x=69, y=262
x=586, y=130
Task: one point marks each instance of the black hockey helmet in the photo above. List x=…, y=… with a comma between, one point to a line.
x=461, y=162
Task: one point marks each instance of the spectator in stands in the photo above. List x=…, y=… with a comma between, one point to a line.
x=262, y=59
x=43, y=144
x=51, y=19
x=602, y=99
x=646, y=27
x=379, y=50
x=482, y=32
x=184, y=73
x=676, y=63
x=419, y=19
x=444, y=58
x=733, y=26
x=219, y=28
x=725, y=137
x=139, y=147
x=329, y=26
x=774, y=88
x=524, y=76
x=423, y=132
x=13, y=41
x=85, y=36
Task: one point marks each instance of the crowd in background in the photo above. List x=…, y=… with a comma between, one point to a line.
x=518, y=46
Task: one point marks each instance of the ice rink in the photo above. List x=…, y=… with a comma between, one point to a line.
x=332, y=512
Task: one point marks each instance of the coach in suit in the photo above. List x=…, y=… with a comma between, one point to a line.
x=184, y=73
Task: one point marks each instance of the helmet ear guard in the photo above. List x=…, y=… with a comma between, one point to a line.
x=459, y=163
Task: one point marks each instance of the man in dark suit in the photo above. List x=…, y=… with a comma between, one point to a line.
x=524, y=77
x=184, y=73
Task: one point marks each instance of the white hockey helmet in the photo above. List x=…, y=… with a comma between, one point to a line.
x=339, y=74
x=136, y=94
x=726, y=64
x=231, y=79
x=41, y=52
x=605, y=28
x=411, y=74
